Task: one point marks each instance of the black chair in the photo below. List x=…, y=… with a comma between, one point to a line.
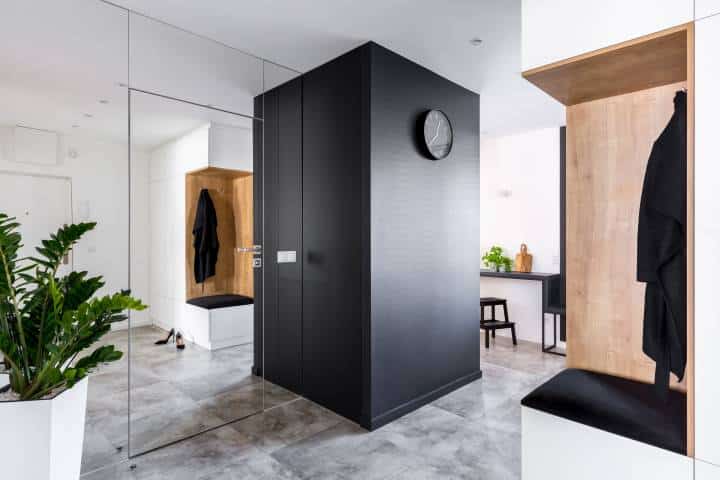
x=553, y=305
x=493, y=324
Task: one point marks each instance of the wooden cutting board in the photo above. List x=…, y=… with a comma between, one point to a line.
x=523, y=260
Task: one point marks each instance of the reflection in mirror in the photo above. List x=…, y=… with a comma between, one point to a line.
x=178, y=64
x=192, y=356
x=63, y=159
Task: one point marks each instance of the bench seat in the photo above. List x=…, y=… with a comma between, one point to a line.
x=582, y=424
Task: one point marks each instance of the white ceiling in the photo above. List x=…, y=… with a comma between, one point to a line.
x=57, y=63
x=305, y=34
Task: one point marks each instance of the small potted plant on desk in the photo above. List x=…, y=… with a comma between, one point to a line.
x=48, y=324
x=495, y=260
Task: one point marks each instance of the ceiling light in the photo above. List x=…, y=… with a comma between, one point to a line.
x=476, y=42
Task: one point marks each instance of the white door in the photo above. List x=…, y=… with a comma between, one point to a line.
x=41, y=204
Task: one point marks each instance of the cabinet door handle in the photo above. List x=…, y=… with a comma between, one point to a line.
x=286, y=256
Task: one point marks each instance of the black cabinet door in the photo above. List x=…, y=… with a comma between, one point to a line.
x=333, y=136
x=282, y=210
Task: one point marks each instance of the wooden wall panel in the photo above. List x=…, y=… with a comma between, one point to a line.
x=653, y=60
x=608, y=145
x=233, y=207
x=243, y=208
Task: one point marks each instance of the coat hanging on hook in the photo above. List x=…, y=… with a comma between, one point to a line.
x=205, y=238
x=661, y=257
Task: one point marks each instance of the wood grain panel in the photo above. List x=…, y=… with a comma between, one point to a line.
x=650, y=61
x=608, y=145
x=690, y=369
x=243, y=208
x=232, y=219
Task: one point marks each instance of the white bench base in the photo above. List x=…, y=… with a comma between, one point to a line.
x=554, y=448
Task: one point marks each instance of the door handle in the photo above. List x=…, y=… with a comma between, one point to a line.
x=255, y=249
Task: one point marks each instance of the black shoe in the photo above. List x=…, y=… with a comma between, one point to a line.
x=170, y=335
x=179, y=342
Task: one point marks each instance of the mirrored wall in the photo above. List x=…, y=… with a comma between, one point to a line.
x=64, y=160
x=155, y=134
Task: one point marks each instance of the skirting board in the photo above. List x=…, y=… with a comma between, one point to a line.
x=418, y=402
x=554, y=448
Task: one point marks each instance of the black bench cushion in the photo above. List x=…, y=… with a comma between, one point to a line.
x=624, y=407
x=220, y=301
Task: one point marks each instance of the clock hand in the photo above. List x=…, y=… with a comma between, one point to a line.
x=437, y=132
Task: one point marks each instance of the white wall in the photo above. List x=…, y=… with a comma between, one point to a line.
x=230, y=147
x=520, y=203
x=99, y=174
x=168, y=165
x=707, y=239
x=560, y=29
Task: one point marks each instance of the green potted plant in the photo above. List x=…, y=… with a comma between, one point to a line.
x=48, y=326
x=495, y=259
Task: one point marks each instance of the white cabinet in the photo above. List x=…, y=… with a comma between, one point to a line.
x=705, y=8
x=707, y=239
x=706, y=471
x=560, y=29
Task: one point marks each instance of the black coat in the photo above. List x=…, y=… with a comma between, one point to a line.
x=661, y=259
x=205, y=239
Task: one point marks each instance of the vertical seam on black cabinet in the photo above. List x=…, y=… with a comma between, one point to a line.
x=301, y=247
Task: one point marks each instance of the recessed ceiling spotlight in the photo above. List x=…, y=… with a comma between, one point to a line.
x=104, y=102
x=87, y=115
x=476, y=42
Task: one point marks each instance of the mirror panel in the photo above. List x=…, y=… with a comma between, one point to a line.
x=64, y=159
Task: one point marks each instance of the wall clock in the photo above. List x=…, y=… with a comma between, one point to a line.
x=437, y=134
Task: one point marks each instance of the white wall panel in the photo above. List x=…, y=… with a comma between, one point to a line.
x=706, y=471
x=707, y=240
x=705, y=8
x=560, y=29
x=554, y=448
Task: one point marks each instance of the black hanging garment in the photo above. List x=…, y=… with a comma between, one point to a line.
x=661, y=259
x=205, y=239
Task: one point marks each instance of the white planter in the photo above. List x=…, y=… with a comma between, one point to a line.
x=43, y=439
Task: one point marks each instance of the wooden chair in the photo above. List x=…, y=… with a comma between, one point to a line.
x=493, y=324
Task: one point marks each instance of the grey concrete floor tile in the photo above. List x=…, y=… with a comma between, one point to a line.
x=193, y=459
x=214, y=383
x=286, y=424
x=258, y=466
x=99, y=451
x=345, y=451
x=472, y=433
x=149, y=432
x=497, y=385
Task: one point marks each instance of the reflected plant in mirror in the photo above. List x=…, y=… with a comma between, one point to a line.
x=48, y=321
x=496, y=260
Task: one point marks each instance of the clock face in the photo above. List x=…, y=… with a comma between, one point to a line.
x=438, y=134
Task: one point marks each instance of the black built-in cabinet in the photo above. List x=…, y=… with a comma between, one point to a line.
x=280, y=204
x=380, y=314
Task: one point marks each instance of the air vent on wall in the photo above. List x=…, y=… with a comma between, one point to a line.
x=35, y=146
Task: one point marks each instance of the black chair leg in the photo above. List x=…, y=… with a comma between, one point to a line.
x=487, y=338
x=512, y=330
x=493, y=319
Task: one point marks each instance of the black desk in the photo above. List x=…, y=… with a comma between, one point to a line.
x=540, y=277
x=532, y=276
